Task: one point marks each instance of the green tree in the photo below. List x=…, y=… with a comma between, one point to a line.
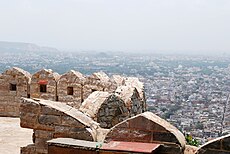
x=191, y=141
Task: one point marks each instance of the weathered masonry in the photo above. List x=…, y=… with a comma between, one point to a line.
x=98, y=82
x=14, y=84
x=105, y=108
x=149, y=128
x=132, y=99
x=71, y=88
x=71, y=113
x=44, y=84
x=51, y=120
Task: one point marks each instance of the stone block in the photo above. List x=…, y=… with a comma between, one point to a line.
x=170, y=149
x=29, y=149
x=29, y=108
x=2, y=108
x=70, y=132
x=69, y=121
x=139, y=135
x=50, y=111
x=11, y=108
x=164, y=137
x=43, y=134
x=144, y=124
x=49, y=119
x=41, y=143
x=44, y=127
x=119, y=134
x=28, y=120
x=41, y=151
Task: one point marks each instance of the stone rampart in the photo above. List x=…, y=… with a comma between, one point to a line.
x=50, y=120
x=44, y=85
x=14, y=84
x=108, y=109
x=71, y=88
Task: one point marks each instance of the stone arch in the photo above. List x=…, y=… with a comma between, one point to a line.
x=148, y=128
x=14, y=85
x=50, y=119
x=219, y=145
x=70, y=88
x=44, y=84
x=105, y=108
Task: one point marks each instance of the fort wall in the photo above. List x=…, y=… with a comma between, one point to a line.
x=50, y=119
x=14, y=84
x=71, y=88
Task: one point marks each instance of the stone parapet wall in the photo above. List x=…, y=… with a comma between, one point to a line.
x=50, y=120
x=108, y=109
x=98, y=82
x=14, y=84
x=149, y=128
x=53, y=120
x=44, y=85
x=71, y=88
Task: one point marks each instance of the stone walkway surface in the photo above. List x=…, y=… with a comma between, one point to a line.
x=12, y=136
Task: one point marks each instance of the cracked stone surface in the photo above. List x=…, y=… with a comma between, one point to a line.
x=12, y=136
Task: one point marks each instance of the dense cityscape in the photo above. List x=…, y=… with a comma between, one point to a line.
x=191, y=92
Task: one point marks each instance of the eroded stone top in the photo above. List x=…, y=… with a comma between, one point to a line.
x=55, y=75
x=73, y=75
x=93, y=103
x=126, y=92
x=119, y=80
x=74, y=113
x=16, y=70
x=135, y=82
x=100, y=76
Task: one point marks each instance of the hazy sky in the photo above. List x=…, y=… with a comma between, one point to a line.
x=124, y=25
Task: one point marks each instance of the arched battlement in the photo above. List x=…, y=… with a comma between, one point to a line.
x=105, y=108
x=219, y=145
x=70, y=88
x=44, y=84
x=14, y=84
x=148, y=128
x=51, y=119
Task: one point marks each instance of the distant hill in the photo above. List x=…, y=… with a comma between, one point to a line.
x=23, y=47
